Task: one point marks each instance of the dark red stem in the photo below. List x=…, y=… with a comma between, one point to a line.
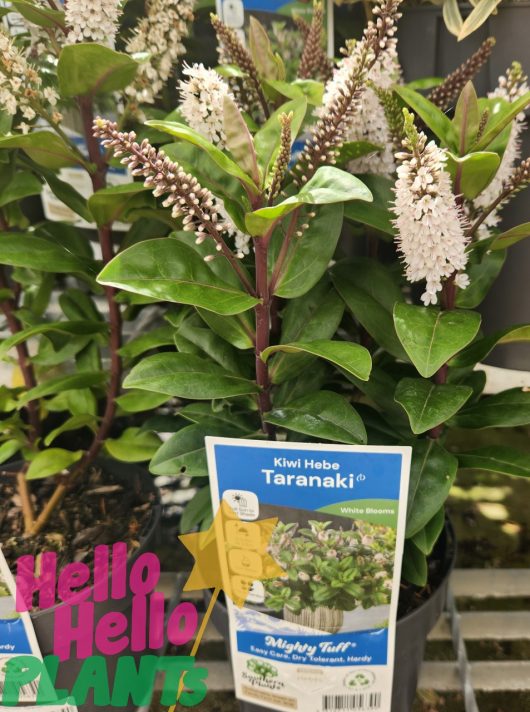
x=263, y=328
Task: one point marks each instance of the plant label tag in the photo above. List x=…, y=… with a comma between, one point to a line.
x=17, y=638
x=278, y=17
x=318, y=635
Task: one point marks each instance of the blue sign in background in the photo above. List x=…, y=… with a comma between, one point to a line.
x=240, y=467
x=12, y=632
x=369, y=647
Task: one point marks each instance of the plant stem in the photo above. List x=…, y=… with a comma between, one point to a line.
x=448, y=300
x=99, y=181
x=262, y=311
x=25, y=498
x=284, y=250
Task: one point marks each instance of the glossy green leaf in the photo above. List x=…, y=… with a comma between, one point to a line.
x=161, y=336
x=482, y=271
x=479, y=349
x=50, y=462
x=432, y=474
x=133, y=445
x=185, y=376
x=140, y=401
x=502, y=410
x=169, y=270
x=62, y=383
x=501, y=120
x=415, y=569
x=377, y=214
x=477, y=17
x=329, y=185
x=309, y=257
x=467, y=118
x=430, y=114
x=429, y=535
x=370, y=293
x=112, y=203
x=235, y=330
x=8, y=449
x=73, y=328
x=431, y=337
x=68, y=195
x=76, y=422
x=267, y=139
x=212, y=345
x=313, y=91
x=496, y=458
x=185, y=133
x=196, y=511
x=475, y=171
x=108, y=70
x=40, y=15
x=316, y=315
x=511, y=237
x=22, y=185
x=324, y=415
x=238, y=139
x=216, y=415
x=27, y=250
x=351, y=150
x=353, y=358
x=44, y=147
x=427, y=404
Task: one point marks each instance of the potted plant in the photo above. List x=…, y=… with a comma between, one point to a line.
x=70, y=438
x=329, y=571
x=274, y=342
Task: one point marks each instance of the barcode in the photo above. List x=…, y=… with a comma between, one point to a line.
x=361, y=701
x=28, y=693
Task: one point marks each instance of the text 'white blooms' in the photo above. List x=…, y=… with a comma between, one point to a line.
x=431, y=229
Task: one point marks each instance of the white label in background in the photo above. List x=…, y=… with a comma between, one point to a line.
x=339, y=502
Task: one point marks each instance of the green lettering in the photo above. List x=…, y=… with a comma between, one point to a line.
x=93, y=676
x=137, y=683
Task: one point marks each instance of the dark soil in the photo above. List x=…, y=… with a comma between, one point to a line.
x=97, y=510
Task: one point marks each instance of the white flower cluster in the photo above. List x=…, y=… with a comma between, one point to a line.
x=369, y=122
x=510, y=90
x=159, y=34
x=431, y=228
x=241, y=239
x=202, y=97
x=20, y=84
x=92, y=21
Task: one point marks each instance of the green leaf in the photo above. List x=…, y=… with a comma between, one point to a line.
x=370, y=294
x=432, y=474
x=233, y=329
x=467, y=119
x=169, y=270
x=8, y=449
x=111, y=204
x=511, y=237
x=22, y=185
x=27, y=250
x=431, y=337
x=430, y=114
x=238, y=139
x=479, y=349
x=482, y=271
x=477, y=17
x=377, y=214
x=133, y=445
x=316, y=315
x=214, y=415
x=496, y=458
x=312, y=90
x=502, y=410
x=44, y=147
x=140, y=401
x=414, y=569
x=40, y=15
x=51, y=462
x=76, y=422
x=199, y=509
x=109, y=70
x=324, y=415
x=476, y=171
x=68, y=195
x=427, y=404
x=501, y=120
x=267, y=139
x=186, y=376
x=62, y=383
x=353, y=358
x=185, y=133
x=351, y=150
x=329, y=185
x=213, y=346
x=161, y=336
x=268, y=64
x=452, y=17
x=74, y=328
x=429, y=535
x=308, y=257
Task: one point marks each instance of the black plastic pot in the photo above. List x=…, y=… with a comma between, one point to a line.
x=43, y=621
x=411, y=633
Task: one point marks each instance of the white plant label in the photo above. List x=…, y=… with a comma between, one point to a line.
x=320, y=637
